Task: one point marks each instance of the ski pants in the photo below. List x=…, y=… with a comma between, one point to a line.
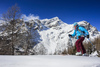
x=79, y=45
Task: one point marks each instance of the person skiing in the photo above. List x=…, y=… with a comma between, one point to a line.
x=80, y=32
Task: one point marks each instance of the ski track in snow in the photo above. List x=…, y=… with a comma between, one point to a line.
x=49, y=61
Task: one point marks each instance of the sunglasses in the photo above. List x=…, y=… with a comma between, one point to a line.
x=75, y=26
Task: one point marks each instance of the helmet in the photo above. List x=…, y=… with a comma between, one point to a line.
x=75, y=24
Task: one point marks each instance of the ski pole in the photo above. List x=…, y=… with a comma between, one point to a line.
x=90, y=41
x=70, y=40
x=93, y=46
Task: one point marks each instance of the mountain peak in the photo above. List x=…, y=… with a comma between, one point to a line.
x=83, y=22
x=56, y=18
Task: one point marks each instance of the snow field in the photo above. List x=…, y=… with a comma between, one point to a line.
x=49, y=61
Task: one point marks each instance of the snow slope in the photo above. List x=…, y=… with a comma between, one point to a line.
x=49, y=61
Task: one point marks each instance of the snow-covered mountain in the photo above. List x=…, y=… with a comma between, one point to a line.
x=52, y=35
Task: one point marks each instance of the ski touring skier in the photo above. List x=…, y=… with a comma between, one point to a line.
x=80, y=32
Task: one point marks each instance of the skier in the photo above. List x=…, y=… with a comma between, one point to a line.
x=80, y=32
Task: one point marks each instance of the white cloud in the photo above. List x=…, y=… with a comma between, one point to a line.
x=29, y=17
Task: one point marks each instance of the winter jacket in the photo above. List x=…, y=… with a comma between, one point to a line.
x=80, y=31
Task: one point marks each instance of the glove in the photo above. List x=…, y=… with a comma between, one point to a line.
x=70, y=35
x=83, y=32
x=79, y=36
x=87, y=36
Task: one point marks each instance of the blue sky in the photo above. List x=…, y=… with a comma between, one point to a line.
x=69, y=11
